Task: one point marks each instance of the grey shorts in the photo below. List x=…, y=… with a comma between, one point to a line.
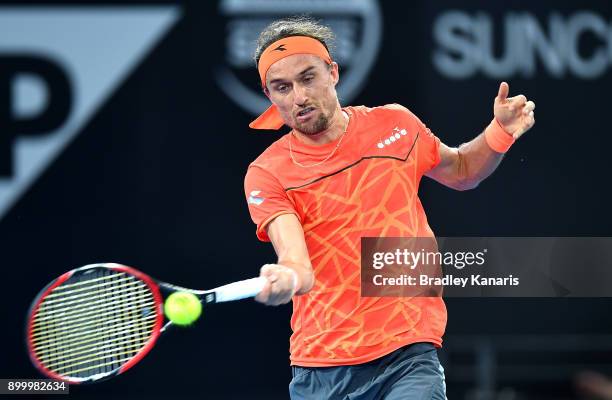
x=410, y=373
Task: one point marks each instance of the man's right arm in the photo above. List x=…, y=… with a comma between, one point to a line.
x=292, y=274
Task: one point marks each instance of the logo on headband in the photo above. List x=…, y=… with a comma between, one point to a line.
x=356, y=23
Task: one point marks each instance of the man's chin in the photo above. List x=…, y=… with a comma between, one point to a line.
x=311, y=129
x=308, y=132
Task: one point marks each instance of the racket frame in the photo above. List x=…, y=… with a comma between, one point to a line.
x=156, y=331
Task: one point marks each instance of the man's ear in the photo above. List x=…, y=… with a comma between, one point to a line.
x=267, y=93
x=335, y=72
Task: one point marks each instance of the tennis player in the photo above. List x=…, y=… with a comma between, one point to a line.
x=340, y=174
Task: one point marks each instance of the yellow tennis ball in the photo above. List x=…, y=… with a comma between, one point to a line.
x=182, y=308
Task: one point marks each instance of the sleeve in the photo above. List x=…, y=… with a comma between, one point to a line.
x=427, y=146
x=266, y=199
x=428, y=156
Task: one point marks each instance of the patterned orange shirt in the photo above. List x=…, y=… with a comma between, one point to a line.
x=368, y=188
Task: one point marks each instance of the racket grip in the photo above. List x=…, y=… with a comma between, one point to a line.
x=240, y=290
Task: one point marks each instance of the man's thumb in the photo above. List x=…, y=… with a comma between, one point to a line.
x=503, y=91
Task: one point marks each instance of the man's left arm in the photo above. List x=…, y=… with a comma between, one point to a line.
x=464, y=167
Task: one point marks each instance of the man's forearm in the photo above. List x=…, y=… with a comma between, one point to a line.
x=475, y=162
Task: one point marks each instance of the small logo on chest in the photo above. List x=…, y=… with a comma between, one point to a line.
x=396, y=135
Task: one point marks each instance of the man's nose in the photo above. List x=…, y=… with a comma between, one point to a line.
x=300, y=95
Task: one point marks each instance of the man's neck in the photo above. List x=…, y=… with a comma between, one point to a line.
x=337, y=128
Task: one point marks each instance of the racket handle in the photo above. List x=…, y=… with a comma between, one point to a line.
x=240, y=290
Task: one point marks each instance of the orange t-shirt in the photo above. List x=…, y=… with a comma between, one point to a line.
x=368, y=188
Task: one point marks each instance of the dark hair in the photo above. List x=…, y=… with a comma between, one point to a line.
x=301, y=25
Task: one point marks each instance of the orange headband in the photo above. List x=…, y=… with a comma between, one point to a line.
x=271, y=118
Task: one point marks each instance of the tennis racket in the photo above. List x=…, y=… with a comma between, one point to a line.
x=98, y=321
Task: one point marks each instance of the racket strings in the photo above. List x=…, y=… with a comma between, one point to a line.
x=61, y=294
x=94, y=311
x=80, y=338
x=93, y=323
x=97, y=292
x=86, y=349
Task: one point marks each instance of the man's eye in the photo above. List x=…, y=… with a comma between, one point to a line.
x=282, y=88
x=308, y=78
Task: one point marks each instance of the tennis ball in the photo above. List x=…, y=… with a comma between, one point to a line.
x=182, y=308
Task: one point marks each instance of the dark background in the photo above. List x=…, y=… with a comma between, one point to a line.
x=155, y=180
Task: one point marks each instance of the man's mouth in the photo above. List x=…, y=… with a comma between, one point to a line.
x=305, y=112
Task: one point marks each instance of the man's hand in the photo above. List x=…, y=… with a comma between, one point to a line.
x=281, y=286
x=515, y=114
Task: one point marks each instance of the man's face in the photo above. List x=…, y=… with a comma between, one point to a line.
x=303, y=87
